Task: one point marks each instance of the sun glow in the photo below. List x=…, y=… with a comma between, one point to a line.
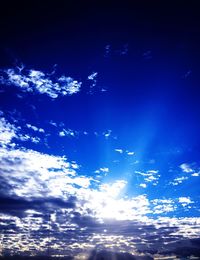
x=109, y=203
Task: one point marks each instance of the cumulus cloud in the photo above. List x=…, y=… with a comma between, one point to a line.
x=32, y=174
x=186, y=168
x=100, y=218
x=37, y=81
x=161, y=206
x=7, y=132
x=44, y=198
x=185, y=201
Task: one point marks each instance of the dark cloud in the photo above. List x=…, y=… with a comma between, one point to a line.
x=106, y=255
x=18, y=206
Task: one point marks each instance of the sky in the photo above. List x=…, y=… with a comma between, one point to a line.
x=99, y=130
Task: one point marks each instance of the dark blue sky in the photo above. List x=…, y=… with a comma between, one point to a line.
x=99, y=128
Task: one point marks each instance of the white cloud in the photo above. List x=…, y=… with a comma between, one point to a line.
x=107, y=203
x=163, y=206
x=105, y=169
x=68, y=132
x=143, y=185
x=7, y=132
x=130, y=153
x=35, y=128
x=186, y=168
x=93, y=76
x=107, y=133
x=184, y=200
x=32, y=174
x=195, y=174
x=178, y=180
x=119, y=150
x=37, y=81
x=151, y=176
x=62, y=133
x=51, y=122
x=26, y=137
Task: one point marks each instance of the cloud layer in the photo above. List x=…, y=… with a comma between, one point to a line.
x=47, y=205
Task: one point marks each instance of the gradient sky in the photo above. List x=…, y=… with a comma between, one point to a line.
x=99, y=129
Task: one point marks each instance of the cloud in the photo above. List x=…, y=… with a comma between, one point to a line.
x=93, y=76
x=130, y=153
x=7, y=132
x=143, y=185
x=62, y=234
x=179, y=180
x=46, y=204
x=31, y=175
x=186, y=168
x=103, y=254
x=102, y=170
x=163, y=206
x=26, y=137
x=35, y=128
x=195, y=174
x=150, y=176
x=185, y=201
x=107, y=133
x=68, y=132
x=37, y=81
x=119, y=150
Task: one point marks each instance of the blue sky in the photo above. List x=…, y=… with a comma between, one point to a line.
x=99, y=130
